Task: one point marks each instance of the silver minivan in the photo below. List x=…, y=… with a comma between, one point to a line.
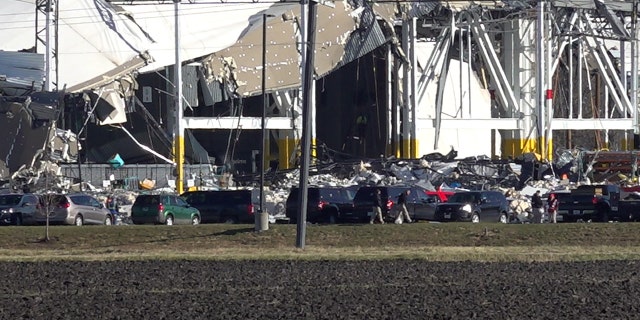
x=74, y=209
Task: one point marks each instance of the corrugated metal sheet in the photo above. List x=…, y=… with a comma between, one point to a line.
x=44, y=105
x=190, y=85
x=130, y=174
x=615, y=5
x=519, y=4
x=367, y=37
x=421, y=9
x=461, y=5
x=212, y=90
x=21, y=69
x=335, y=26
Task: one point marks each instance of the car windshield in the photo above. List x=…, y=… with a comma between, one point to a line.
x=464, y=197
x=10, y=200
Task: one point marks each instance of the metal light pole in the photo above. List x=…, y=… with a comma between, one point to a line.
x=307, y=81
x=179, y=130
x=260, y=218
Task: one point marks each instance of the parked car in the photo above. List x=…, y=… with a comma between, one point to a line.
x=227, y=206
x=74, y=209
x=165, y=209
x=18, y=208
x=597, y=202
x=474, y=206
x=419, y=205
x=324, y=204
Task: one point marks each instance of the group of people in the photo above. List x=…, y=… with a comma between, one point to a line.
x=401, y=208
x=402, y=214
x=539, y=208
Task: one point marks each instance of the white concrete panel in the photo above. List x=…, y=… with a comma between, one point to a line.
x=468, y=142
x=466, y=128
x=455, y=93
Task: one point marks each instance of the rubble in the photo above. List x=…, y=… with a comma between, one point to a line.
x=517, y=179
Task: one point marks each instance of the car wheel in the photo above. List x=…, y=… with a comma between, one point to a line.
x=333, y=218
x=79, y=221
x=504, y=218
x=169, y=220
x=17, y=220
x=475, y=218
x=108, y=220
x=195, y=220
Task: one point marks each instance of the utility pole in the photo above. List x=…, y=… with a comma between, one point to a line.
x=262, y=218
x=540, y=79
x=634, y=73
x=305, y=149
x=179, y=131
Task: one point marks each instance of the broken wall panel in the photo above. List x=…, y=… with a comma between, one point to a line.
x=190, y=86
x=22, y=140
x=129, y=176
x=344, y=33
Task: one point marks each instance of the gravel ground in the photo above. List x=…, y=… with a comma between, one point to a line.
x=388, y=289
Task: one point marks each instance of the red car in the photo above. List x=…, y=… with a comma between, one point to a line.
x=442, y=195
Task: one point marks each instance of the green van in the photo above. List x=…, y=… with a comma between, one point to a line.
x=163, y=209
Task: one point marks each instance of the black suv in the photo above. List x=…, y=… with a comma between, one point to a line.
x=419, y=205
x=474, y=206
x=18, y=208
x=226, y=206
x=324, y=204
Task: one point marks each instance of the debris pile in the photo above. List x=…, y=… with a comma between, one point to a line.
x=517, y=179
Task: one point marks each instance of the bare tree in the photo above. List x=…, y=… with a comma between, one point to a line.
x=48, y=201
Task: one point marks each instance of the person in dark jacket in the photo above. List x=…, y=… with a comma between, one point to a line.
x=403, y=213
x=552, y=208
x=538, y=207
x=377, y=208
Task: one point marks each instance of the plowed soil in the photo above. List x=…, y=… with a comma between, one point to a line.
x=386, y=289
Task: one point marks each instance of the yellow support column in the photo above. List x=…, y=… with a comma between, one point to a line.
x=516, y=147
x=314, y=150
x=286, y=147
x=179, y=160
x=406, y=148
x=414, y=148
x=550, y=149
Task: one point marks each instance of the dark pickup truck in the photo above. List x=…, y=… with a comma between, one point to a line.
x=601, y=203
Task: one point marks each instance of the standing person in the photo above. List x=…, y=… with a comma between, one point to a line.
x=552, y=207
x=403, y=214
x=377, y=209
x=538, y=207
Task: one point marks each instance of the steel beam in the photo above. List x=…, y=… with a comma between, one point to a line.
x=244, y=123
x=512, y=124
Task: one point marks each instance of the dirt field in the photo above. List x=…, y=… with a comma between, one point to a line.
x=388, y=289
